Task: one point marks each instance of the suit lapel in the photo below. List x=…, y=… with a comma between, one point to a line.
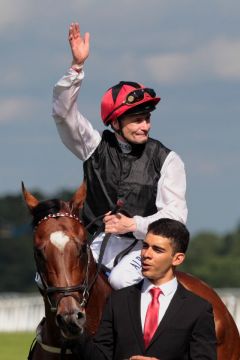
x=134, y=306
x=173, y=308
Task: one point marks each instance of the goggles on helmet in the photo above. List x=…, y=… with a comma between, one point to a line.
x=131, y=98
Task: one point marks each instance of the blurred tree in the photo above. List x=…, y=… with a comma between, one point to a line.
x=215, y=259
x=17, y=264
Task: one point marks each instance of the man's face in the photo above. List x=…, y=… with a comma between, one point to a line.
x=135, y=128
x=158, y=259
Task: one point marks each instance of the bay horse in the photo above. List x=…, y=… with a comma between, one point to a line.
x=74, y=291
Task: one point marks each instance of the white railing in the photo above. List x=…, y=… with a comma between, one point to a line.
x=22, y=312
x=231, y=298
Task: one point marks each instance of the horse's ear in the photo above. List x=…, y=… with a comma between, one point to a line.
x=79, y=197
x=30, y=200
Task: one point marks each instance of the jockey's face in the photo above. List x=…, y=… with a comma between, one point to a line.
x=135, y=128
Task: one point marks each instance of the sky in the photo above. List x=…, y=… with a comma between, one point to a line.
x=188, y=51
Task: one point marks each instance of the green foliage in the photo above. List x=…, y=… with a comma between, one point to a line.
x=12, y=210
x=17, y=264
x=15, y=345
x=215, y=259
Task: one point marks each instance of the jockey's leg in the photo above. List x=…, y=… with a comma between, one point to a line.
x=116, y=244
x=128, y=270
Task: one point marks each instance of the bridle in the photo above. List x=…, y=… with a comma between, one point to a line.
x=83, y=288
x=86, y=286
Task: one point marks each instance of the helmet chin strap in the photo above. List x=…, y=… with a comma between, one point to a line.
x=120, y=132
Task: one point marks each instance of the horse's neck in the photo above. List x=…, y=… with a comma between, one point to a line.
x=97, y=299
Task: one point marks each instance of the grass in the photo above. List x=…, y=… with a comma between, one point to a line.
x=15, y=346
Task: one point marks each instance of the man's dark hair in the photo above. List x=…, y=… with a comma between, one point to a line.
x=173, y=230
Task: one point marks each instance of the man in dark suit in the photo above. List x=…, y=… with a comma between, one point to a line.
x=156, y=318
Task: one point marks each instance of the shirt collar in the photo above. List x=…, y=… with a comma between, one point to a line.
x=167, y=288
x=125, y=147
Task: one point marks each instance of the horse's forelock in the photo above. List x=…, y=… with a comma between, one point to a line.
x=45, y=208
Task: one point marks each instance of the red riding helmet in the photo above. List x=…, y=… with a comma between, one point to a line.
x=127, y=98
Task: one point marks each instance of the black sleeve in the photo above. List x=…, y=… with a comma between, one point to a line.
x=203, y=344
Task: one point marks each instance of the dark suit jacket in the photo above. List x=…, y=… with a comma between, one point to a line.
x=186, y=331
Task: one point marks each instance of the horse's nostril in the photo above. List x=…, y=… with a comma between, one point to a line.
x=80, y=315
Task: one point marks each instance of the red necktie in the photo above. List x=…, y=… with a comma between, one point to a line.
x=151, y=320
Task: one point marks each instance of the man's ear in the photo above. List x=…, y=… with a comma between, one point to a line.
x=115, y=124
x=178, y=259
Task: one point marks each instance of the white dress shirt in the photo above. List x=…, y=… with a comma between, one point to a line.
x=168, y=290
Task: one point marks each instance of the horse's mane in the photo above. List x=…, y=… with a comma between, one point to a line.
x=44, y=208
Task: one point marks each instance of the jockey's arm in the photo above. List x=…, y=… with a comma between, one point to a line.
x=75, y=130
x=170, y=201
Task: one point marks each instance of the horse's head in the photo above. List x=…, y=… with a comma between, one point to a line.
x=62, y=259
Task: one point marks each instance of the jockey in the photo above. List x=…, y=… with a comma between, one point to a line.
x=123, y=163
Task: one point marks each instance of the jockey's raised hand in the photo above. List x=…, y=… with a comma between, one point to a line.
x=79, y=44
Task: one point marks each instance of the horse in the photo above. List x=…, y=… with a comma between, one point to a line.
x=75, y=291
